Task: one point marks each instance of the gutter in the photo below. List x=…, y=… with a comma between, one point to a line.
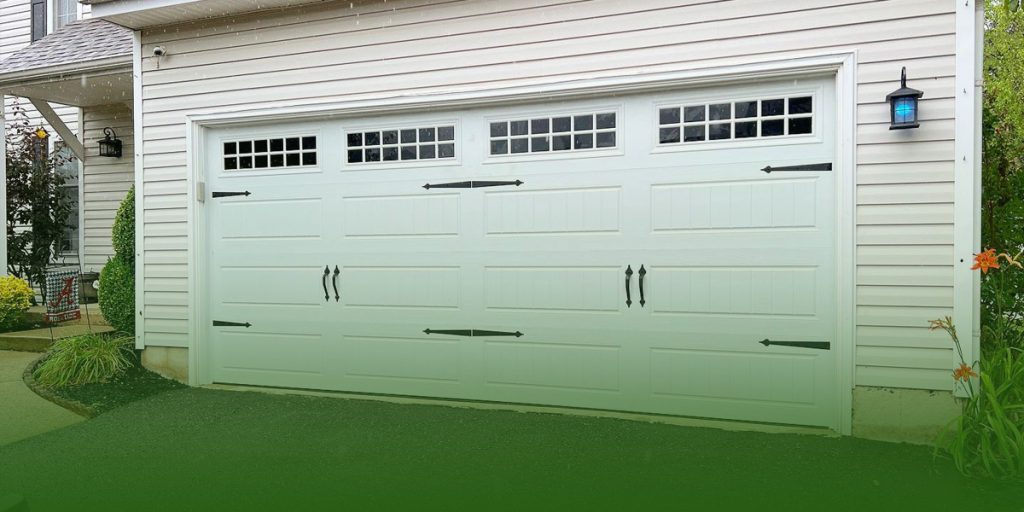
x=122, y=63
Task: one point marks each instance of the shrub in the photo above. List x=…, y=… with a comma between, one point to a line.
x=15, y=299
x=123, y=234
x=85, y=359
x=117, y=294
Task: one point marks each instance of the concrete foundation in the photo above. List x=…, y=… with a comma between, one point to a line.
x=902, y=415
x=171, y=362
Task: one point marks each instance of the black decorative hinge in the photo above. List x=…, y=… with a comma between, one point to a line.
x=808, y=167
x=221, y=323
x=471, y=332
x=820, y=345
x=472, y=184
x=229, y=194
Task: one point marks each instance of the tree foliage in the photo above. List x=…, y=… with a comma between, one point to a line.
x=123, y=233
x=37, y=208
x=1003, y=137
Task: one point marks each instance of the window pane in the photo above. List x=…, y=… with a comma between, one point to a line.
x=606, y=120
x=693, y=114
x=292, y=160
x=426, y=152
x=720, y=111
x=561, y=124
x=499, y=147
x=668, y=135
x=278, y=144
x=427, y=135
x=309, y=158
x=746, y=130
x=408, y=135
x=606, y=140
x=278, y=160
x=260, y=146
x=720, y=131
x=584, y=141
x=371, y=138
x=561, y=142
x=245, y=147
x=408, y=152
x=245, y=162
x=583, y=122
x=230, y=164
x=540, y=125
x=520, y=127
x=668, y=116
x=309, y=143
x=390, y=154
x=372, y=154
x=261, y=161
x=291, y=143
x=230, y=148
x=389, y=137
x=446, y=133
x=746, y=109
x=693, y=133
x=799, y=125
x=772, y=128
x=446, y=150
x=772, y=107
x=800, y=105
x=499, y=129
x=539, y=144
x=520, y=145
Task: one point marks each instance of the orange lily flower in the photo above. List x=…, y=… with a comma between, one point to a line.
x=985, y=260
x=964, y=372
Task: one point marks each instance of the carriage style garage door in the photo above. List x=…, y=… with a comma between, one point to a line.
x=627, y=252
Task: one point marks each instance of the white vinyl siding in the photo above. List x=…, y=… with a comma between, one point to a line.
x=105, y=180
x=333, y=52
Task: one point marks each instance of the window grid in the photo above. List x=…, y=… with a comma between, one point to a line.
x=575, y=132
x=735, y=120
x=401, y=144
x=271, y=153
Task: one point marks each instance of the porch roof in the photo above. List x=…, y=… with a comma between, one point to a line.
x=85, y=63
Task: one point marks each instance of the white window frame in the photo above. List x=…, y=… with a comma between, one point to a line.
x=399, y=124
x=51, y=15
x=536, y=113
x=270, y=133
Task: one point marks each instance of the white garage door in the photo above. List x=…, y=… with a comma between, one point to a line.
x=627, y=253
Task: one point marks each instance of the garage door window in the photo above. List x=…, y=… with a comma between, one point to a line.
x=572, y=133
x=731, y=120
x=275, y=153
x=401, y=144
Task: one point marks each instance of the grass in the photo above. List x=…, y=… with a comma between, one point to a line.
x=85, y=359
x=201, y=449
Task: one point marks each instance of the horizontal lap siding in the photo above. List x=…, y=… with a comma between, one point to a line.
x=105, y=180
x=332, y=52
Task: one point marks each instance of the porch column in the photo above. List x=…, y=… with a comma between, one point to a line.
x=3, y=181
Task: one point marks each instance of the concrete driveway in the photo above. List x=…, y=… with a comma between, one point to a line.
x=24, y=414
x=203, y=449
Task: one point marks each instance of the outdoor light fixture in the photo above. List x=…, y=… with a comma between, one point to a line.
x=110, y=145
x=903, y=105
x=41, y=133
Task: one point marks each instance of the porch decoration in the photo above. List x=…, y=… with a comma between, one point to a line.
x=110, y=145
x=903, y=104
x=62, y=295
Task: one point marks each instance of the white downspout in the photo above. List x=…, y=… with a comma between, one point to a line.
x=3, y=181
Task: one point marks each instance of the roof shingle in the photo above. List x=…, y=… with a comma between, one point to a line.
x=78, y=42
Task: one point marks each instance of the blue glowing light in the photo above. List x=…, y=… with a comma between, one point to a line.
x=905, y=110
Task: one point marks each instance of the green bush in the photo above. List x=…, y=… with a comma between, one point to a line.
x=123, y=234
x=85, y=359
x=117, y=294
x=15, y=299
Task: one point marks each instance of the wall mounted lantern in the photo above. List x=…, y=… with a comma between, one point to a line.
x=110, y=145
x=903, y=105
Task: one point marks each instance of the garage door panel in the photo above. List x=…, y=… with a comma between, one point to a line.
x=403, y=360
x=283, y=356
x=553, y=289
x=272, y=285
x=401, y=216
x=273, y=219
x=553, y=211
x=542, y=367
x=736, y=376
x=401, y=287
x=750, y=204
x=738, y=292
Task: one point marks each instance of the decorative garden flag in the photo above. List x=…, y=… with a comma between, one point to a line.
x=62, y=295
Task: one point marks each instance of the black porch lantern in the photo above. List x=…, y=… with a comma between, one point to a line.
x=903, y=105
x=110, y=145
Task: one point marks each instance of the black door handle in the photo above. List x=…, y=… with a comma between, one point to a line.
x=323, y=281
x=629, y=276
x=334, y=281
x=642, y=273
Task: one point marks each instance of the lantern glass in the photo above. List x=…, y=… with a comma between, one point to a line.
x=904, y=110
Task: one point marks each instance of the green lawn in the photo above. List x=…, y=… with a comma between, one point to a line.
x=197, y=449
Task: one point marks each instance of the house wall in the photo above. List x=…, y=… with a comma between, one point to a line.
x=342, y=51
x=105, y=181
x=15, y=34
